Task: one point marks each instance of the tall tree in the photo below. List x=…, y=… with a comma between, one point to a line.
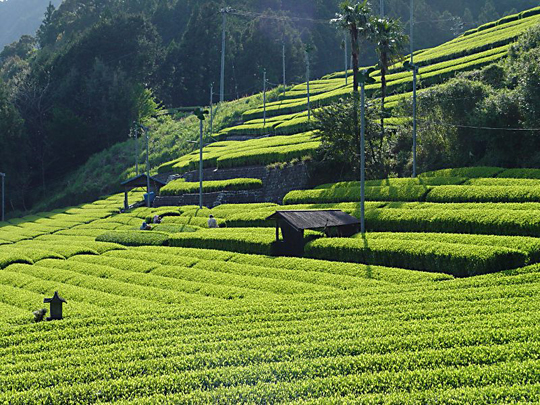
x=356, y=19
x=389, y=39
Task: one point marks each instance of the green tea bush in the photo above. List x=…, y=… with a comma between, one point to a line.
x=476, y=221
x=468, y=172
x=242, y=240
x=449, y=194
x=180, y=187
x=397, y=182
x=459, y=260
x=352, y=194
x=520, y=173
x=7, y=258
x=135, y=238
x=530, y=246
x=503, y=182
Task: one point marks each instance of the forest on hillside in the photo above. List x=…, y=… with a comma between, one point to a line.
x=95, y=66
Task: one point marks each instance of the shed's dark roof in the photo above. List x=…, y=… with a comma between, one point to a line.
x=315, y=219
x=140, y=181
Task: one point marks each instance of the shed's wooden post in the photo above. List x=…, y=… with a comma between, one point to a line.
x=277, y=230
x=126, y=202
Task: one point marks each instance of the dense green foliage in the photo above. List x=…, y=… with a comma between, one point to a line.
x=135, y=238
x=453, y=258
x=179, y=187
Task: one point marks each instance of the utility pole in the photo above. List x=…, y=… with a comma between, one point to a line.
x=200, y=113
x=415, y=71
x=211, y=109
x=346, y=58
x=146, y=130
x=3, y=175
x=284, y=81
x=224, y=12
x=364, y=78
x=136, y=138
x=264, y=98
x=309, y=48
x=382, y=8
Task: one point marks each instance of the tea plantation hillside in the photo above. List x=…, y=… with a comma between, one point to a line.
x=437, y=303
x=288, y=116
x=185, y=314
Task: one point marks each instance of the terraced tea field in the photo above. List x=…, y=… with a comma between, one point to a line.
x=184, y=314
x=437, y=303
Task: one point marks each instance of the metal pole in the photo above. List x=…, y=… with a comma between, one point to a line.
x=284, y=68
x=147, y=168
x=264, y=98
x=346, y=58
x=137, y=150
x=224, y=12
x=201, y=165
x=415, y=71
x=3, y=175
x=382, y=8
x=411, y=23
x=307, y=80
x=362, y=160
x=211, y=109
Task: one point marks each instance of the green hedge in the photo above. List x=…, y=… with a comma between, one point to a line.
x=469, y=172
x=528, y=245
x=15, y=257
x=398, y=182
x=476, y=221
x=520, y=173
x=241, y=240
x=180, y=187
x=352, y=194
x=135, y=238
x=459, y=260
x=503, y=182
x=456, y=194
x=530, y=13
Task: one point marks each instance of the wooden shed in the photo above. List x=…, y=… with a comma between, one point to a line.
x=141, y=182
x=293, y=224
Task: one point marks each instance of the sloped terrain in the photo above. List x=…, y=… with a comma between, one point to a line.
x=436, y=303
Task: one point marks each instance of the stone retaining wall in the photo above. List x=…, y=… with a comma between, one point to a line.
x=276, y=184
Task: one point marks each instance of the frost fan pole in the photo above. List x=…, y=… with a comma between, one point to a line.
x=309, y=48
x=284, y=70
x=415, y=71
x=3, y=175
x=346, y=59
x=211, y=109
x=224, y=12
x=200, y=113
x=264, y=98
x=364, y=78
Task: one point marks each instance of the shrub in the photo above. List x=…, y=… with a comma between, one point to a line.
x=352, y=194
x=476, y=221
x=469, y=172
x=460, y=260
x=396, y=182
x=135, y=238
x=520, y=173
x=449, y=194
x=245, y=240
x=16, y=257
x=503, y=182
x=530, y=246
x=179, y=187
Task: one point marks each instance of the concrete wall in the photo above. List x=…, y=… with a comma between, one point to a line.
x=276, y=184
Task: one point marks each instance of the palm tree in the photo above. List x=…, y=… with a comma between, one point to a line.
x=356, y=19
x=389, y=39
